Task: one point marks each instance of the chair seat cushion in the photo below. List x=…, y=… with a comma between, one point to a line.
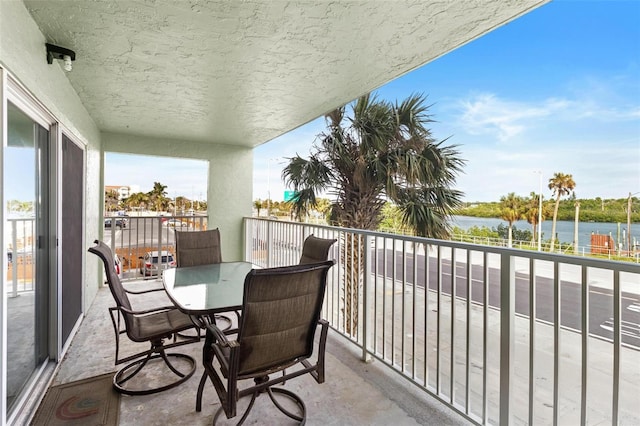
x=158, y=325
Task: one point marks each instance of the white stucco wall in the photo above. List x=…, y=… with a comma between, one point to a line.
x=229, y=182
x=23, y=54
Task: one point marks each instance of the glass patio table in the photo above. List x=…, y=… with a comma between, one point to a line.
x=202, y=291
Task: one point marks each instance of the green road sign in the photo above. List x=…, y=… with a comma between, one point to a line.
x=288, y=195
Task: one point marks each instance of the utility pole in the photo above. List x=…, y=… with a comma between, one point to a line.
x=539, y=211
x=575, y=228
x=629, y=225
x=269, y=188
x=269, y=185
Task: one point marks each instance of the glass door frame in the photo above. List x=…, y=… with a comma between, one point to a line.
x=11, y=90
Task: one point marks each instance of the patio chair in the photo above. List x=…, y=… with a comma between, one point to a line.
x=198, y=247
x=280, y=315
x=150, y=325
x=315, y=249
x=195, y=248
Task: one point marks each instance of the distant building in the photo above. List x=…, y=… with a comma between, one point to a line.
x=122, y=191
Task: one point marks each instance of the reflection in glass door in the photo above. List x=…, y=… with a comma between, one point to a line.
x=26, y=232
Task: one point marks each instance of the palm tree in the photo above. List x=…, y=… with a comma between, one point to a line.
x=511, y=211
x=560, y=184
x=530, y=213
x=258, y=206
x=383, y=151
x=137, y=199
x=181, y=203
x=531, y=208
x=158, y=196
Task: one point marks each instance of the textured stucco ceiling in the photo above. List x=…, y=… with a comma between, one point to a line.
x=244, y=72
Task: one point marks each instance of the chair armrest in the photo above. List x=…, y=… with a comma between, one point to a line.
x=148, y=311
x=220, y=337
x=142, y=291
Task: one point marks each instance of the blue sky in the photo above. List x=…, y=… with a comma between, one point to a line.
x=557, y=90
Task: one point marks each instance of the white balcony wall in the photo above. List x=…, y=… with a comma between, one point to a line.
x=23, y=54
x=229, y=181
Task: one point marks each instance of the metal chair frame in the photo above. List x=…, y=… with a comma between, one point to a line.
x=230, y=357
x=126, y=320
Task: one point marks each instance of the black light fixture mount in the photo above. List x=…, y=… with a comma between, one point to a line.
x=61, y=53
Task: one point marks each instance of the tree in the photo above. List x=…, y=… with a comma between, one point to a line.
x=257, y=204
x=382, y=152
x=511, y=210
x=111, y=200
x=531, y=207
x=137, y=199
x=20, y=206
x=560, y=184
x=181, y=204
x=323, y=206
x=392, y=220
x=158, y=196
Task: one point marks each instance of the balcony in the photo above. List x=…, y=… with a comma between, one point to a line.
x=355, y=393
x=573, y=362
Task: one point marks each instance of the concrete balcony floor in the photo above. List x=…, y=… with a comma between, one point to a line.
x=354, y=393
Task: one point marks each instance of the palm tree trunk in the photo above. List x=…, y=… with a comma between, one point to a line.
x=352, y=259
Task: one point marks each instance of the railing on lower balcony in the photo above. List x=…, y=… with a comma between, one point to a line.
x=21, y=255
x=502, y=336
x=131, y=237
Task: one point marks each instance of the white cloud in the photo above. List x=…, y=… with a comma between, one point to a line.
x=488, y=114
x=506, y=119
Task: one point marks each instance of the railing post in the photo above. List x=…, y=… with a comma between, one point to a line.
x=269, y=244
x=367, y=312
x=247, y=239
x=14, y=259
x=507, y=325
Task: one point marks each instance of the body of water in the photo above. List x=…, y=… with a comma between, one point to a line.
x=564, y=229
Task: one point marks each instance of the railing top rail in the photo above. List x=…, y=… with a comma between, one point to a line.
x=528, y=254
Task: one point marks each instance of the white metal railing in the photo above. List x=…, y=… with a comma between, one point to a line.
x=560, y=247
x=454, y=318
x=21, y=256
x=130, y=237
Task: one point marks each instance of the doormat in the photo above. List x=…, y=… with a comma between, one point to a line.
x=91, y=401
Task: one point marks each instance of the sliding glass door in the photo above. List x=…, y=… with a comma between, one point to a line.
x=27, y=238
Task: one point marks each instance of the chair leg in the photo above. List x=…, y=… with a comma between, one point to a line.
x=165, y=357
x=121, y=377
x=244, y=415
x=303, y=418
x=203, y=381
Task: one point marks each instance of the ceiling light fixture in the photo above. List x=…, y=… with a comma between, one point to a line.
x=57, y=52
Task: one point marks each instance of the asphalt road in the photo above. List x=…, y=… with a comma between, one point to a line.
x=141, y=232
x=140, y=235
x=600, y=299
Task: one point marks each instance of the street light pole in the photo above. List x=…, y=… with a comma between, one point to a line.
x=269, y=186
